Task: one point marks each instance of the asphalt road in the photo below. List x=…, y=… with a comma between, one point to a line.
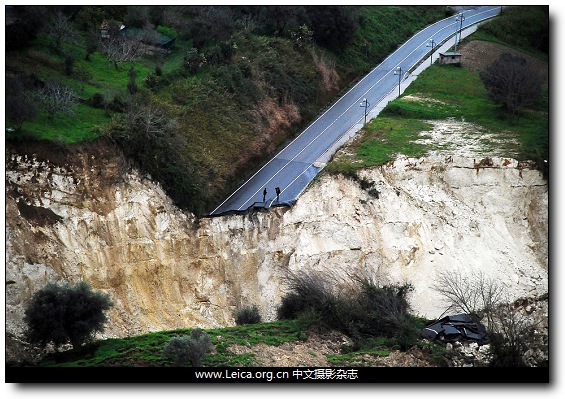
x=298, y=163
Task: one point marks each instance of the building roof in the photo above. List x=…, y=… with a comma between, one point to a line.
x=149, y=36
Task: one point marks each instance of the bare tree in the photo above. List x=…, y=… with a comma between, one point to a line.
x=120, y=49
x=511, y=81
x=475, y=294
x=511, y=333
x=59, y=29
x=56, y=98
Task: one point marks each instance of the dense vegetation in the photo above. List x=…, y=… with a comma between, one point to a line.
x=62, y=314
x=460, y=94
x=239, y=82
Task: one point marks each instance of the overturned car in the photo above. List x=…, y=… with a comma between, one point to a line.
x=459, y=327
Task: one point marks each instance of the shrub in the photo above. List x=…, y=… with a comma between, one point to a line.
x=248, y=315
x=513, y=336
x=381, y=310
x=151, y=81
x=182, y=350
x=359, y=307
x=97, y=101
x=60, y=314
x=291, y=306
x=309, y=291
x=193, y=61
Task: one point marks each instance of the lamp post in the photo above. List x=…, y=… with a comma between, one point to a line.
x=398, y=72
x=460, y=18
x=365, y=104
x=431, y=44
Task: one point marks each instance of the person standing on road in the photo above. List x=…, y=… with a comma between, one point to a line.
x=264, y=194
x=278, y=191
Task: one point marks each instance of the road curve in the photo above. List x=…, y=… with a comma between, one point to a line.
x=292, y=169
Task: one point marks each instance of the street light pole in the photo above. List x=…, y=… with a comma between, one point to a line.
x=398, y=72
x=431, y=44
x=365, y=104
x=460, y=18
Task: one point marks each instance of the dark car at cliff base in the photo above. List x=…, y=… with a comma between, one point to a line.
x=455, y=328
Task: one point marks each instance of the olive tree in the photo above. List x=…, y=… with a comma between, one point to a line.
x=65, y=313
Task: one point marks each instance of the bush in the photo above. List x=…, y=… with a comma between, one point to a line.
x=308, y=292
x=97, y=101
x=182, y=350
x=60, y=314
x=381, y=310
x=248, y=315
x=291, y=306
x=511, y=337
x=359, y=308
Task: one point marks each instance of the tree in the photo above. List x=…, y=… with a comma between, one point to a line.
x=56, y=98
x=60, y=314
x=19, y=109
x=132, y=85
x=334, y=25
x=137, y=17
x=210, y=23
x=69, y=64
x=193, y=61
x=19, y=106
x=59, y=29
x=91, y=45
x=512, y=82
x=83, y=75
x=23, y=23
x=475, y=295
x=119, y=48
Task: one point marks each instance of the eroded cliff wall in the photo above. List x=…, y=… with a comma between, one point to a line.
x=85, y=215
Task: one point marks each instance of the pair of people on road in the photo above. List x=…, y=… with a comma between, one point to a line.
x=277, y=190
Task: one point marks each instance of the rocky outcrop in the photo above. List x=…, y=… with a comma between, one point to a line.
x=85, y=215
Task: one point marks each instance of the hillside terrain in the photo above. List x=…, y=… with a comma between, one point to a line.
x=201, y=115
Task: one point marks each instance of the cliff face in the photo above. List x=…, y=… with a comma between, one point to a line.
x=86, y=216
